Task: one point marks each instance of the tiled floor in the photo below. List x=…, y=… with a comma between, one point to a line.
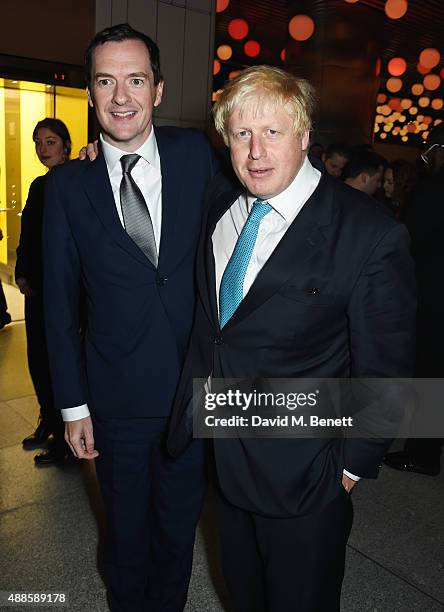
x=50, y=524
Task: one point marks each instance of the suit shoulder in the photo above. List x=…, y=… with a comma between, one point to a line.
x=182, y=136
x=69, y=170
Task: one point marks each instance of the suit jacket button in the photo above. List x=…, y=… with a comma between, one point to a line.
x=218, y=340
x=161, y=281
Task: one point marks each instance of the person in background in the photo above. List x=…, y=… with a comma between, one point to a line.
x=335, y=158
x=5, y=317
x=316, y=151
x=424, y=219
x=364, y=171
x=400, y=177
x=53, y=147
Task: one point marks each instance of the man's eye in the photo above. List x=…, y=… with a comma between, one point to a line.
x=243, y=133
x=137, y=82
x=103, y=82
x=272, y=132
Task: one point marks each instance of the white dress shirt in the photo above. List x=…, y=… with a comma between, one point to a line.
x=148, y=177
x=286, y=207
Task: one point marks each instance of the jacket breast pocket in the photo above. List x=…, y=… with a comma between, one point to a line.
x=311, y=296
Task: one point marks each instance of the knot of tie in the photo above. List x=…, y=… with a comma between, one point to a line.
x=128, y=162
x=259, y=209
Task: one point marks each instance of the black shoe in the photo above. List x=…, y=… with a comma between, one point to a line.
x=39, y=437
x=5, y=319
x=402, y=461
x=53, y=456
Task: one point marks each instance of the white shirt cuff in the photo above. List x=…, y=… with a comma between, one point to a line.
x=75, y=413
x=352, y=476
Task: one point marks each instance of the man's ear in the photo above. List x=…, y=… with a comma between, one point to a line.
x=90, y=99
x=159, y=93
x=364, y=176
x=305, y=140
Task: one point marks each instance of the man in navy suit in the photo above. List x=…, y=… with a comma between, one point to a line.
x=122, y=232
x=299, y=276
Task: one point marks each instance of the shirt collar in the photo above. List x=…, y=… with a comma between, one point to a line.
x=295, y=194
x=148, y=150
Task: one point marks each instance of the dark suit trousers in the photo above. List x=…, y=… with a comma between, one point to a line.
x=152, y=505
x=285, y=565
x=38, y=363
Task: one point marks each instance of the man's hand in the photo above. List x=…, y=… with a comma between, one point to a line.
x=348, y=483
x=91, y=150
x=24, y=287
x=79, y=436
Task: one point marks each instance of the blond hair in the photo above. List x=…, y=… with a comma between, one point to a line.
x=264, y=85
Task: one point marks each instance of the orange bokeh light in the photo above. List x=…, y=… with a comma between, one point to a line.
x=221, y=5
x=224, y=52
x=406, y=103
x=397, y=66
x=238, y=29
x=429, y=58
x=378, y=67
x=417, y=89
x=216, y=66
x=422, y=69
x=431, y=82
x=395, y=9
x=252, y=48
x=437, y=104
x=423, y=102
x=381, y=98
x=395, y=104
x=283, y=55
x=301, y=27
x=234, y=74
x=394, y=84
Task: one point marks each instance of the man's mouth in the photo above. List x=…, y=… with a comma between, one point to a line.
x=121, y=115
x=259, y=172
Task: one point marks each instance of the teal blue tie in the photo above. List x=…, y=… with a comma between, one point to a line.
x=232, y=284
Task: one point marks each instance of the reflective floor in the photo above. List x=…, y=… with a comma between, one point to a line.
x=50, y=524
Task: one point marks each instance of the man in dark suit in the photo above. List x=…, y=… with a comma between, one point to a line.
x=299, y=276
x=123, y=230
x=424, y=219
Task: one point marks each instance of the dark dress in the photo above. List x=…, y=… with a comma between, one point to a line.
x=29, y=266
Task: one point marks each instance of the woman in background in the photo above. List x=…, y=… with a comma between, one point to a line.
x=53, y=147
x=400, y=178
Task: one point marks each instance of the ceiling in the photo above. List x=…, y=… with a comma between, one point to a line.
x=422, y=26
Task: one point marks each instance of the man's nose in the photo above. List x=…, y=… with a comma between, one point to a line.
x=257, y=149
x=120, y=94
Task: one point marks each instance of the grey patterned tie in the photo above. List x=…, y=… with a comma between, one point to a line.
x=136, y=216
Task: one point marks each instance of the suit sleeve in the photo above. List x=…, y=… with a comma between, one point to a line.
x=381, y=315
x=62, y=283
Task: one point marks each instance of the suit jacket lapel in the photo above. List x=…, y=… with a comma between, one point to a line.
x=206, y=265
x=171, y=197
x=301, y=241
x=99, y=192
